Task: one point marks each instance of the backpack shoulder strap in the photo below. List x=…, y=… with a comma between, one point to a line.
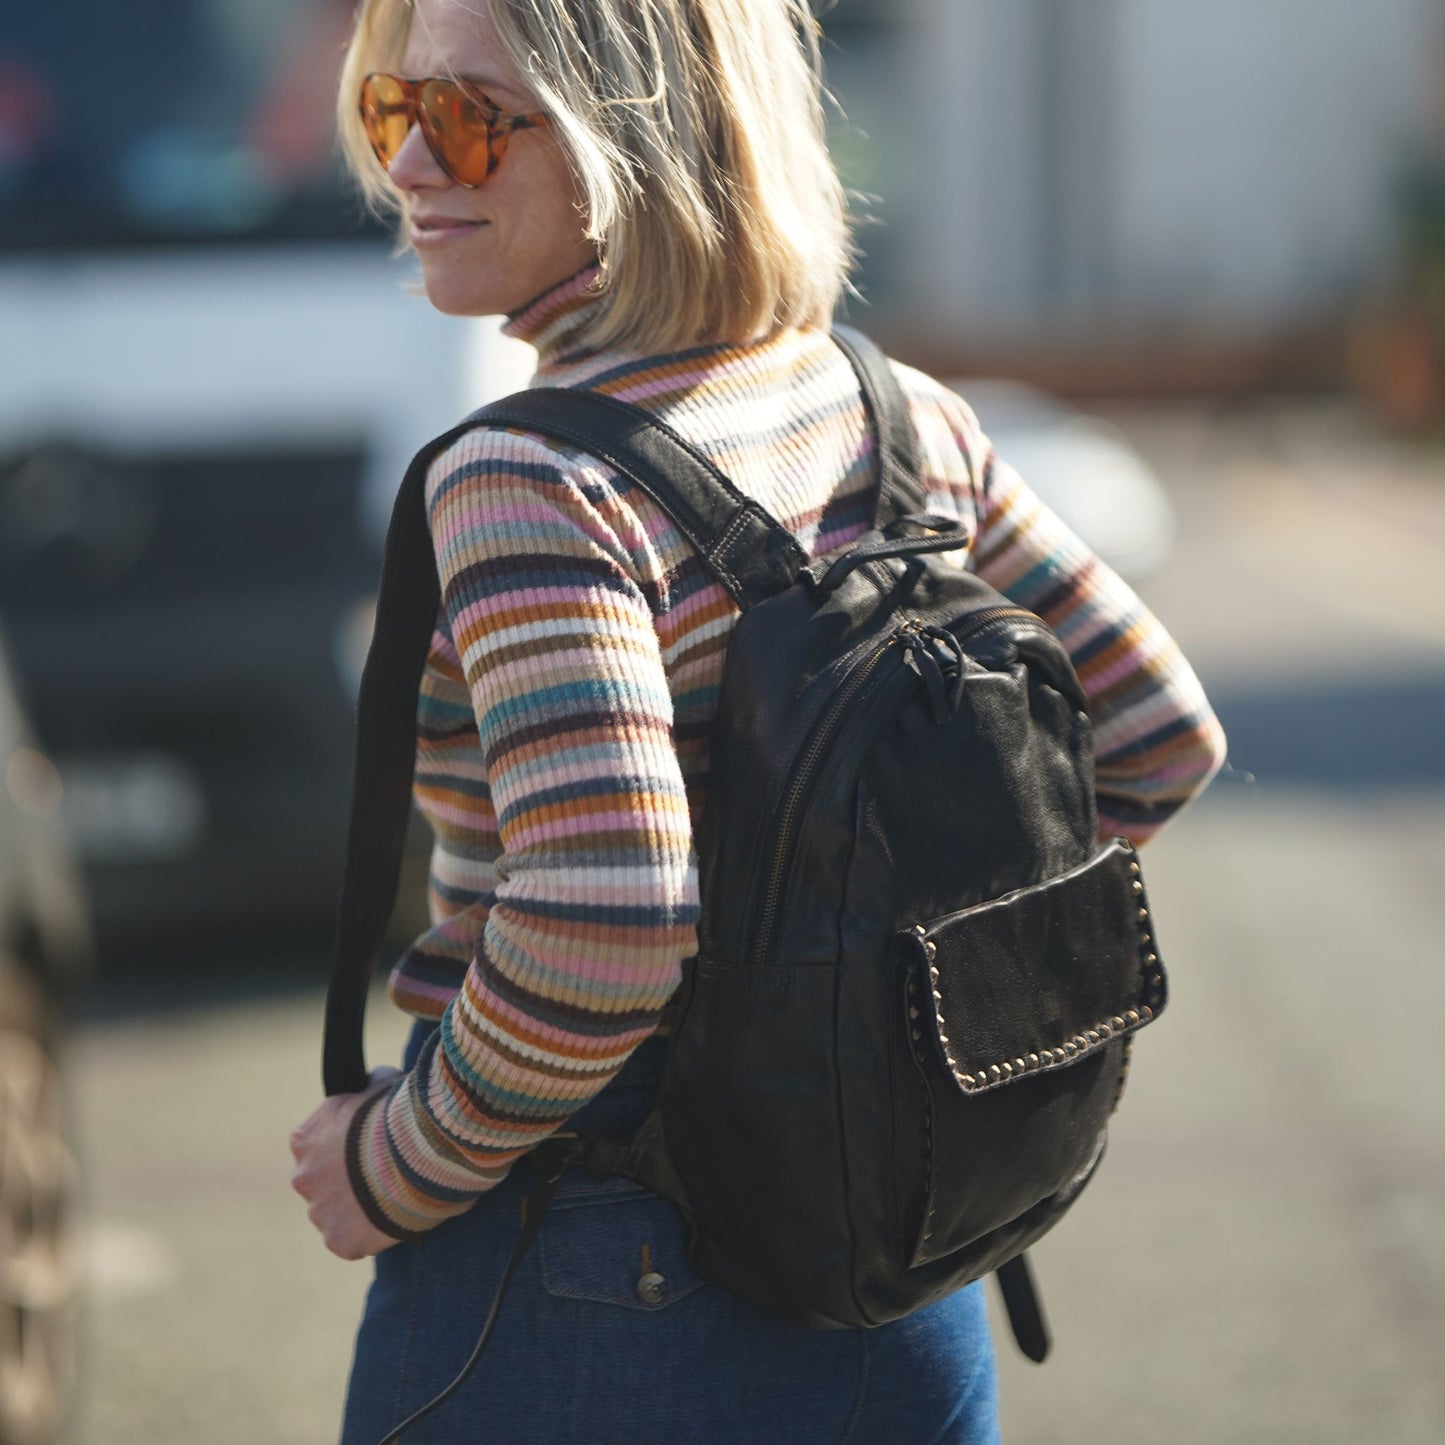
x=743, y=545
x=900, y=492
x=751, y=555
x=745, y=549
x=385, y=755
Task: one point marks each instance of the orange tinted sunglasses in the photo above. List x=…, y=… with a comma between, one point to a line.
x=464, y=130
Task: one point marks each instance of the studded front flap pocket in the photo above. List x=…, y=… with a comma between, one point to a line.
x=1041, y=978
x=619, y=1245
x=1019, y=1016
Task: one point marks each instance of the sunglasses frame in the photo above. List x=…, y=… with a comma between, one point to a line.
x=499, y=126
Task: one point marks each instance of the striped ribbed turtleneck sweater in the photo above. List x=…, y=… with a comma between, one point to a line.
x=564, y=716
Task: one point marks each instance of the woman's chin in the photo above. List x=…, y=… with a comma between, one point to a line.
x=460, y=295
x=460, y=305
x=454, y=287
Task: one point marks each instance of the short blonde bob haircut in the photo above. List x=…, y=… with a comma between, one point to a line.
x=696, y=130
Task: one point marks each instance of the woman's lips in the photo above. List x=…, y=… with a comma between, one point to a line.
x=439, y=232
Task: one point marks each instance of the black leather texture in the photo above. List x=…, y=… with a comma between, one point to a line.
x=881, y=875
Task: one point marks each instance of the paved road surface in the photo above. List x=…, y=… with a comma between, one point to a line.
x=1263, y=1258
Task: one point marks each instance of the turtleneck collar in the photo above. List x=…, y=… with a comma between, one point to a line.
x=551, y=322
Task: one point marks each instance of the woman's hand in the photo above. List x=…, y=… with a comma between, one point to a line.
x=318, y=1146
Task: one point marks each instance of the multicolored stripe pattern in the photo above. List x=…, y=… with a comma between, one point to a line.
x=564, y=715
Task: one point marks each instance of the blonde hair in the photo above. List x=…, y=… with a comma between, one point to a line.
x=696, y=131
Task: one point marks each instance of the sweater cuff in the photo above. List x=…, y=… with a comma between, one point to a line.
x=378, y=1177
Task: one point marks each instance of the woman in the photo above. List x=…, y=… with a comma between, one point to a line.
x=645, y=193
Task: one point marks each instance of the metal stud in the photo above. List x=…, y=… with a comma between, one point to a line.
x=1020, y=1066
x=1137, y=886
x=930, y=950
x=1143, y=915
x=916, y=1036
x=1152, y=959
x=913, y=1013
x=943, y=1039
x=1092, y=1037
x=995, y=1073
x=1132, y=1016
x=1008, y=1069
x=1118, y=1023
x=1033, y=1061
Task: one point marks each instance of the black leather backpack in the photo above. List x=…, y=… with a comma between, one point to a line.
x=918, y=975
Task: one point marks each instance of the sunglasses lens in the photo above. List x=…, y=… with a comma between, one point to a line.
x=384, y=115
x=458, y=131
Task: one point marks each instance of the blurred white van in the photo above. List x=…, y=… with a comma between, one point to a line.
x=212, y=374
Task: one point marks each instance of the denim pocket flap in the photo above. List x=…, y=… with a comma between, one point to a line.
x=627, y=1247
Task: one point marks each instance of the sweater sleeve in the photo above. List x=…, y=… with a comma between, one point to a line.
x=595, y=906
x=1157, y=742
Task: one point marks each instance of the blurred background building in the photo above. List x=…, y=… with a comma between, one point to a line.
x=1137, y=193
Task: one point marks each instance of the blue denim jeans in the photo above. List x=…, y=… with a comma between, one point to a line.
x=584, y=1352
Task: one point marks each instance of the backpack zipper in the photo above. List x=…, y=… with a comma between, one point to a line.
x=802, y=780
x=817, y=749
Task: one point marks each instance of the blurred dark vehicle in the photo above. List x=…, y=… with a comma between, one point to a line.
x=213, y=376
x=178, y=619
x=1082, y=468
x=44, y=951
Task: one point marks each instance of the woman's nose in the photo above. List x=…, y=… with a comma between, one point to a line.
x=414, y=167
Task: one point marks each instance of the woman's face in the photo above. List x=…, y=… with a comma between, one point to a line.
x=487, y=251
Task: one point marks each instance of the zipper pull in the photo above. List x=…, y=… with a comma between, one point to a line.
x=937, y=656
x=920, y=657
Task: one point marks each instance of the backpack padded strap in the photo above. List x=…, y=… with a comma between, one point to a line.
x=745, y=549
x=406, y=613
x=900, y=493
